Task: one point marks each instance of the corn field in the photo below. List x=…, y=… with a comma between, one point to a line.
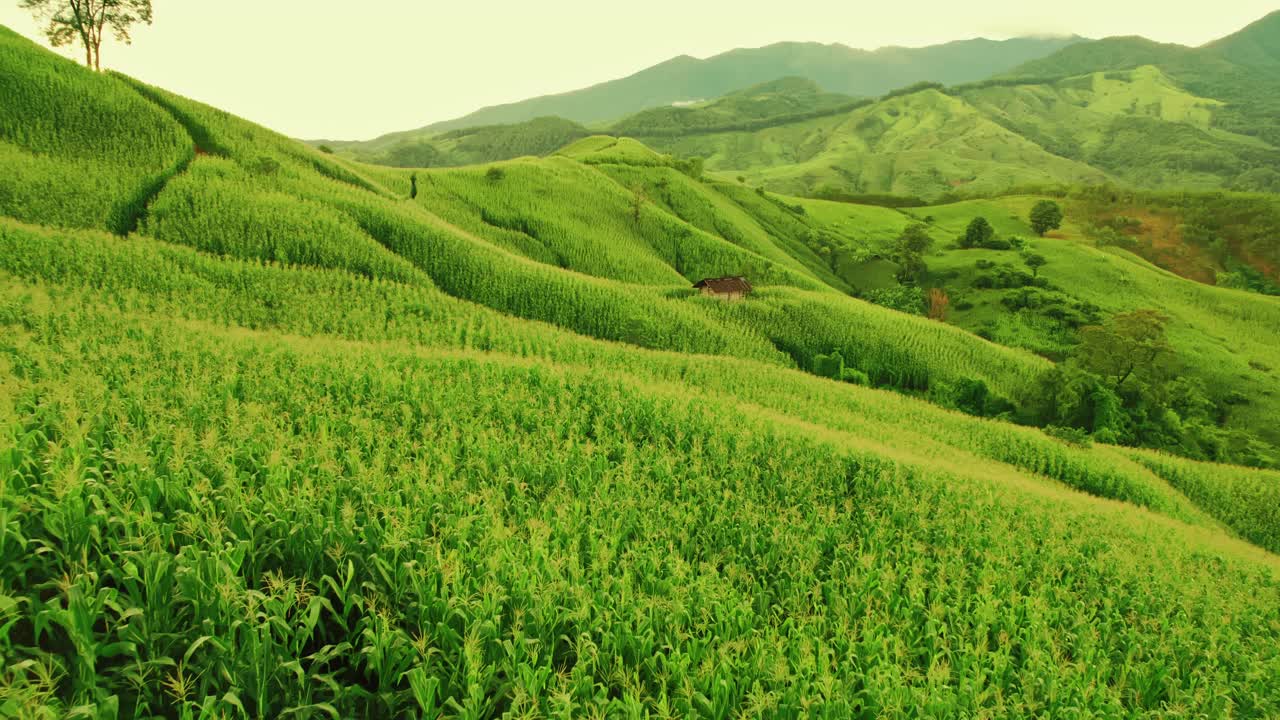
x=277, y=440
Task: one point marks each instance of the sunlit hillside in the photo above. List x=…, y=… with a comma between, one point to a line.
x=283, y=434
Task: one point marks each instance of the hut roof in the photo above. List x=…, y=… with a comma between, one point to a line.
x=725, y=285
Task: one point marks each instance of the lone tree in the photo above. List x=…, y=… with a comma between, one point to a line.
x=1046, y=216
x=1035, y=261
x=638, y=198
x=909, y=251
x=1126, y=344
x=978, y=233
x=86, y=22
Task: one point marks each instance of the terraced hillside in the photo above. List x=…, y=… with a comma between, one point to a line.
x=311, y=438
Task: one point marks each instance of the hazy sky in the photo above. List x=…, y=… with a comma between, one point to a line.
x=357, y=70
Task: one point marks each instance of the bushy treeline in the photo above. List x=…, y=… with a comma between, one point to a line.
x=1122, y=385
x=675, y=122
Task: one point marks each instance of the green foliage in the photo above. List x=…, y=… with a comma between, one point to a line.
x=70, y=22
x=1128, y=345
x=908, y=252
x=1035, y=261
x=1046, y=216
x=904, y=298
x=914, y=88
x=1074, y=436
x=978, y=234
x=829, y=366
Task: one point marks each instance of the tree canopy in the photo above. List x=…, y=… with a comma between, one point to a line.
x=1128, y=343
x=1035, y=261
x=86, y=21
x=1046, y=216
x=909, y=250
x=978, y=234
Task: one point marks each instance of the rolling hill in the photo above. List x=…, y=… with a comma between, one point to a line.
x=285, y=434
x=1134, y=127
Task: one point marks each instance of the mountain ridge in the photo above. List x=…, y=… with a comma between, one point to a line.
x=674, y=80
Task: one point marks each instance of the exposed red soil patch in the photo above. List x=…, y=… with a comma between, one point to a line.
x=1160, y=242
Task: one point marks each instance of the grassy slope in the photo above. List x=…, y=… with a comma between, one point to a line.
x=990, y=137
x=78, y=150
x=760, y=439
x=1223, y=336
x=339, y=468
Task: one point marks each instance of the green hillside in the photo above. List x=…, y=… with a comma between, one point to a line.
x=283, y=434
x=1136, y=127
x=1239, y=70
x=922, y=144
x=467, y=146
x=759, y=106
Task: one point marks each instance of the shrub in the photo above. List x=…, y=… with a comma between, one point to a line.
x=903, y=298
x=978, y=234
x=855, y=376
x=829, y=366
x=1070, y=435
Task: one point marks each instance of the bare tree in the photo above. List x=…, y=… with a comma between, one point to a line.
x=86, y=21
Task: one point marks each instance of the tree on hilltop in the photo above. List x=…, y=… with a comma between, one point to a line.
x=1046, y=216
x=86, y=21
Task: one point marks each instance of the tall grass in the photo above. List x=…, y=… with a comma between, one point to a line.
x=78, y=149
x=203, y=520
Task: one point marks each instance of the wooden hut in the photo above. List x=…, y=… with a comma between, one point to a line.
x=724, y=288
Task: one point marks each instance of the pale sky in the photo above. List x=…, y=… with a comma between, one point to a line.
x=357, y=70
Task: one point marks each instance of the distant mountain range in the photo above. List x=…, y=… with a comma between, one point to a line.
x=837, y=68
x=1125, y=110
